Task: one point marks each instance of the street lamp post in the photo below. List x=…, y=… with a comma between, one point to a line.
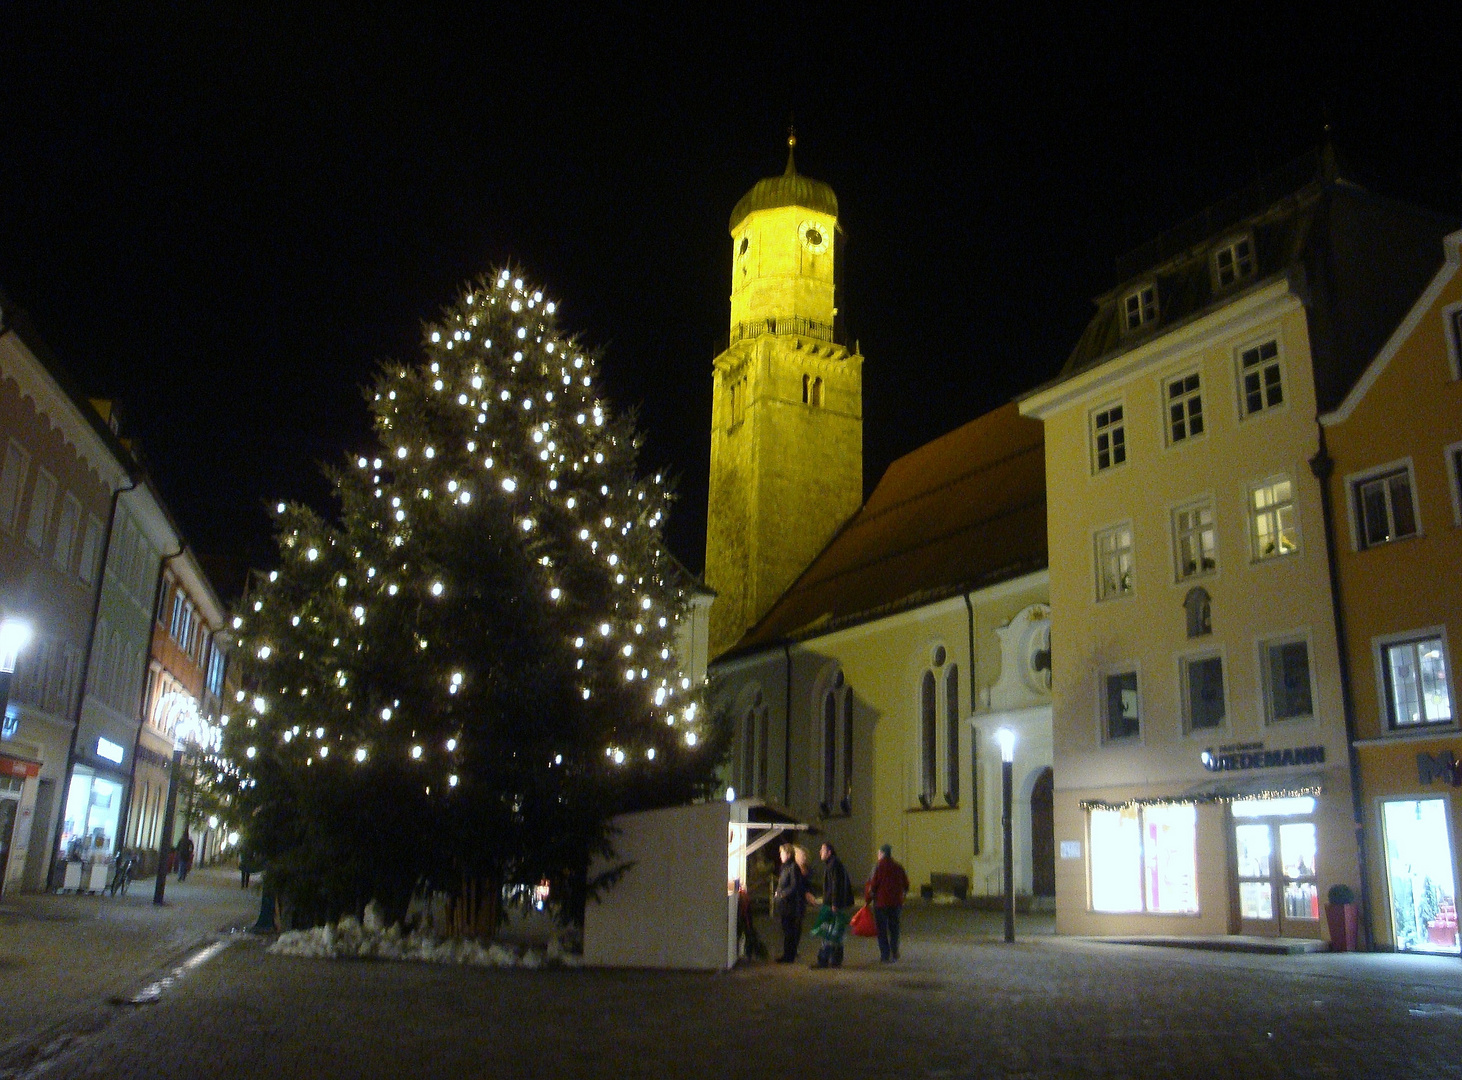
x=15, y=634
x=1006, y=738
x=190, y=728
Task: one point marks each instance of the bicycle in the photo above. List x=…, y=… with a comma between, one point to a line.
x=122, y=874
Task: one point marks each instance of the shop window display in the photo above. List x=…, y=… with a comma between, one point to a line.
x=1421, y=876
x=1144, y=859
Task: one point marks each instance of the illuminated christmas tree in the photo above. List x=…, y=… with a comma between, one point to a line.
x=454, y=686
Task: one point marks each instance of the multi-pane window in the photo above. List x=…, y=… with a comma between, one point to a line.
x=1286, y=674
x=1234, y=262
x=1144, y=858
x=1140, y=307
x=1272, y=526
x=12, y=483
x=66, y=532
x=1414, y=674
x=1261, y=376
x=1203, y=702
x=1185, y=407
x=1195, y=540
x=1384, y=508
x=812, y=390
x=1108, y=437
x=1120, y=706
x=42, y=499
x=1114, y=562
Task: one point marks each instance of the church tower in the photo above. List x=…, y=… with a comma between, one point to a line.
x=787, y=405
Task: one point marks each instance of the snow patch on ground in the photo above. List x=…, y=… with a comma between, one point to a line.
x=349, y=939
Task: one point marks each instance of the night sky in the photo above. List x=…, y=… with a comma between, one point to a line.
x=224, y=222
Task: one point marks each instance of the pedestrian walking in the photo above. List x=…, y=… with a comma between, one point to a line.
x=885, y=891
x=837, y=900
x=791, y=898
x=185, y=856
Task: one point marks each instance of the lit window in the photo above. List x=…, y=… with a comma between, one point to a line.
x=1414, y=674
x=1286, y=672
x=1195, y=540
x=1234, y=262
x=1272, y=522
x=1140, y=308
x=1261, y=376
x=1185, y=408
x=1114, y=562
x=1144, y=858
x=1108, y=437
x=1203, y=703
x=1384, y=508
x=1120, y=706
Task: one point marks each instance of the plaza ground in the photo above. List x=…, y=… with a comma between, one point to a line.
x=959, y=1003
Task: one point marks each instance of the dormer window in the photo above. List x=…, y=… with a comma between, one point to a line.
x=1139, y=308
x=1234, y=262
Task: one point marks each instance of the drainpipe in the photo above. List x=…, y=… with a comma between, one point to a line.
x=974, y=738
x=96, y=607
x=1323, y=466
x=787, y=734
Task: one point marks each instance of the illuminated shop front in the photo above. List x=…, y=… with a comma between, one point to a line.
x=89, y=828
x=1240, y=855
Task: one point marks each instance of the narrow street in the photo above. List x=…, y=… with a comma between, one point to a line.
x=960, y=1003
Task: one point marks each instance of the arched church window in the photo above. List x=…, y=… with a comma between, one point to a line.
x=835, y=747
x=928, y=740
x=951, y=735
x=847, y=749
x=754, y=739
x=829, y=748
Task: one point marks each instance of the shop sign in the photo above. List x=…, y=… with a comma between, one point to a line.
x=1443, y=767
x=10, y=766
x=1253, y=756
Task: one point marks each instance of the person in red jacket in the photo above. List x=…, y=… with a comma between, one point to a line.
x=885, y=891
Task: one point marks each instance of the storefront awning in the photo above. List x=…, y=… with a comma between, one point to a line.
x=1229, y=789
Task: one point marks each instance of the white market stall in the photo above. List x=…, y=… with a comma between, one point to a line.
x=676, y=905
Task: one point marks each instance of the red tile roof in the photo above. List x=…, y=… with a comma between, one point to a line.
x=964, y=511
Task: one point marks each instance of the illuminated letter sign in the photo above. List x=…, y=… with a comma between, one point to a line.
x=111, y=751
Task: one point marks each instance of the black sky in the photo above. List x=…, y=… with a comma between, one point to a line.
x=225, y=219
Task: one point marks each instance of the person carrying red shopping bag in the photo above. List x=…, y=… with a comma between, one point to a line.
x=885, y=891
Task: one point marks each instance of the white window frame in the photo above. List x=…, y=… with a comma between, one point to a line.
x=1279, y=360
x=10, y=519
x=1199, y=503
x=1146, y=308
x=1266, y=696
x=1452, y=330
x=1454, y=479
x=1142, y=864
x=1096, y=551
x=1240, y=275
x=65, y=545
x=1353, y=484
x=1252, y=513
x=1187, y=395
x=1379, y=647
x=1197, y=656
x=1109, y=429
x=1104, y=735
x=91, y=549
x=36, y=538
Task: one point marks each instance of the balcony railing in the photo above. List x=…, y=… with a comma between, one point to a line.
x=787, y=324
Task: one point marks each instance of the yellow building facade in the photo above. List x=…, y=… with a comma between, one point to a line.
x=787, y=404
x=1201, y=750
x=1396, y=446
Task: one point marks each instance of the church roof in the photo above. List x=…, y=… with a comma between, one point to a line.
x=962, y=512
x=789, y=189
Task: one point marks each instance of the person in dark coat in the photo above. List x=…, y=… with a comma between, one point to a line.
x=885, y=891
x=791, y=897
x=837, y=894
x=185, y=857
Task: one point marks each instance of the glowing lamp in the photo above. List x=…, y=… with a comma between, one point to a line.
x=1006, y=738
x=15, y=635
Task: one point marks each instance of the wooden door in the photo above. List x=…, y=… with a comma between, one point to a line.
x=1043, y=835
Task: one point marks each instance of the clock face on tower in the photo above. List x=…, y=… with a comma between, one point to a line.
x=814, y=236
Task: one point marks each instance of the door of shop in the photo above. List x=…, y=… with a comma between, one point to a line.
x=9, y=804
x=1275, y=847
x=1420, y=875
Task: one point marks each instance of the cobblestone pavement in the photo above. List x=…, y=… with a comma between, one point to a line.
x=63, y=957
x=959, y=1003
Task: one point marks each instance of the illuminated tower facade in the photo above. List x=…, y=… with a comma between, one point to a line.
x=787, y=405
